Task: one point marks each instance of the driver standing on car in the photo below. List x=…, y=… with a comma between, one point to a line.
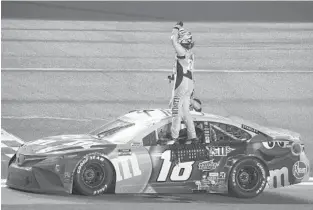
x=184, y=84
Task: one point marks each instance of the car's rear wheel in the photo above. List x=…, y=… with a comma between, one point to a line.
x=247, y=178
x=94, y=175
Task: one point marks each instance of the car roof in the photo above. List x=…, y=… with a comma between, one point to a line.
x=151, y=116
x=163, y=114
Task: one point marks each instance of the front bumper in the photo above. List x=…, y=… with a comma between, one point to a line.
x=34, y=179
x=305, y=159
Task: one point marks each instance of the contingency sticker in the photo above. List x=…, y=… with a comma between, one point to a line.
x=248, y=128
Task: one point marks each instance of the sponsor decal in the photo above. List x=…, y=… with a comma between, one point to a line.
x=212, y=180
x=124, y=152
x=234, y=177
x=206, y=132
x=67, y=177
x=201, y=186
x=207, y=165
x=279, y=178
x=248, y=128
x=214, y=174
x=299, y=169
x=222, y=175
x=219, y=151
x=126, y=167
x=136, y=144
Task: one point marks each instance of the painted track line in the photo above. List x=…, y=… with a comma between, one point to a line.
x=8, y=143
x=3, y=183
x=153, y=70
x=5, y=134
x=52, y=118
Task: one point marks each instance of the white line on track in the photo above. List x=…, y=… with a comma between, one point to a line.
x=306, y=183
x=9, y=155
x=53, y=118
x=3, y=145
x=154, y=70
x=5, y=134
x=3, y=183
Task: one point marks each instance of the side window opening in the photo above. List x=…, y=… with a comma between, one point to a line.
x=164, y=132
x=206, y=132
x=150, y=139
x=225, y=132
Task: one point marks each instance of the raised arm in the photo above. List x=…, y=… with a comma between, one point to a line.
x=174, y=38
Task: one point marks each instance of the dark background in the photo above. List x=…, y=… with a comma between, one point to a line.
x=209, y=11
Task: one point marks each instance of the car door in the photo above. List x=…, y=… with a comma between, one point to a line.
x=168, y=176
x=217, y=139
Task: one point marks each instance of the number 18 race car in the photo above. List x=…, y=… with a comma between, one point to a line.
x=131, y=155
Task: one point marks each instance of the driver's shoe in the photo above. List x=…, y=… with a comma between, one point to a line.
x=195, y=141
x=173, y=141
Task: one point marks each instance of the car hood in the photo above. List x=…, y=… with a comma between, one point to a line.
x=63, y=144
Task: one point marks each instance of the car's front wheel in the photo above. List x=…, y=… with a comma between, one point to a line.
x=94, y=175
x=247, y=178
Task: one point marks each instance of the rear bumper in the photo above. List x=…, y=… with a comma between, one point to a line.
x=34, y=179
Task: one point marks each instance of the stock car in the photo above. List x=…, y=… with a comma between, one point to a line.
x=132, y=154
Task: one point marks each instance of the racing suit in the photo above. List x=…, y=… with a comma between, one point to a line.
x=182, y=90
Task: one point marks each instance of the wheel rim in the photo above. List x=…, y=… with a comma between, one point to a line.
x=93, y=175
x=248, y=178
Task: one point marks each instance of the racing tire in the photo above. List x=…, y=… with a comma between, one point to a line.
x=94, y=175
x=247, y=178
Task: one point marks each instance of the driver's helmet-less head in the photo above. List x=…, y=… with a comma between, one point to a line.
x=185, y=38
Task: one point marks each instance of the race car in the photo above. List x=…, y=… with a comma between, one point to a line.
x=131, y=154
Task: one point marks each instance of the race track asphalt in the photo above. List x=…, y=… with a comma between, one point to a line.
x=287, y=198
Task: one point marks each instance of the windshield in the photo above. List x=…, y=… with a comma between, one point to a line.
x=111, y=128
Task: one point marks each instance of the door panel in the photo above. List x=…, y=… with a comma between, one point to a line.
x=167, y=175
x=196, y=161
x=218, y=142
